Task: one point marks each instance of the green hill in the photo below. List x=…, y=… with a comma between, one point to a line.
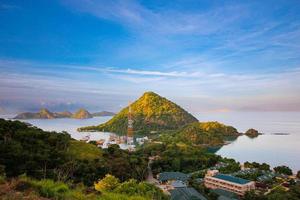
x=151, y=113
x=202, y=133
x=210, y=133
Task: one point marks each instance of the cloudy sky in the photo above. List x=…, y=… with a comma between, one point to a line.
x=209, y=55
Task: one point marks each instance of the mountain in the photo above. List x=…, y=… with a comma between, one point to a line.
x=46, y=114
x=151, y=113
x=82, y=114
x=103, y=113
x=42, y=114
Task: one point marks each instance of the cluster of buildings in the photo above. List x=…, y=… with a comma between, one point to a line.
x=176, y=184
x=215, y=180
x=225, y=186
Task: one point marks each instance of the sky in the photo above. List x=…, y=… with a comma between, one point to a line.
x=205, y=55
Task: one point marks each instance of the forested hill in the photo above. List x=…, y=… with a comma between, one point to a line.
x=151, y=113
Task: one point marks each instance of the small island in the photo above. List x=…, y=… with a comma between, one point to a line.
x=252, y=133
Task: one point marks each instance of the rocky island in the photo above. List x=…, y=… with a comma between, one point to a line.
x=252, y=133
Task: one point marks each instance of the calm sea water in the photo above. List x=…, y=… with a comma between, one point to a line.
x=272, y=149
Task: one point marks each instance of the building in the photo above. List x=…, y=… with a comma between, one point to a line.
x=186, y=193
x=169, y=177
x=216, y=180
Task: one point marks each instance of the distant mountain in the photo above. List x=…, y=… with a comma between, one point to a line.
x=151, y=114
x=42, y=114
x=103, y=113
x=82, y=114
x=46, y=114
x=65, y=114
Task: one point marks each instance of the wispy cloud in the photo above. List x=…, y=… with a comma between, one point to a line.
x=231, y=90
x=138, y=17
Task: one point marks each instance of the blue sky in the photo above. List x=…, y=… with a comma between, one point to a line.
x=214, y=56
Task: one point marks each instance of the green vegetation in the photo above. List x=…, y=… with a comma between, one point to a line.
x=283, y=170
x=201, y=133
x=178, y=157
x=151, y=113
x=28, y=188
x=131, y=187
x=252, y=133
x=230, y=167
x=277, y=194
x=31, y=150
x=256, y=165
x=42, y=154
x=84, y=151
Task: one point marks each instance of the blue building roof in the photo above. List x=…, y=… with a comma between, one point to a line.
x=186, y=194
x=166, y=176
x=231, y=179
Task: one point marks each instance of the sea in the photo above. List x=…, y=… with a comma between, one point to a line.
x=279, y=144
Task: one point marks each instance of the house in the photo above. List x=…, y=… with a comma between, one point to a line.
x=215, y=180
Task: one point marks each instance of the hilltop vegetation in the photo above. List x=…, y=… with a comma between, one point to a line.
x=201, y=133
x=151, y=113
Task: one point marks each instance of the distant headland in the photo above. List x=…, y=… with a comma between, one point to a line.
x=46, y=114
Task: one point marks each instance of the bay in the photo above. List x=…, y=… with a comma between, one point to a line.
x=269, y=148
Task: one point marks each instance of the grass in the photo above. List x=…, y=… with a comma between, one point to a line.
x=84, y=151
x=28, y=188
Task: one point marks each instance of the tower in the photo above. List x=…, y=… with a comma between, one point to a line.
x=130, y=127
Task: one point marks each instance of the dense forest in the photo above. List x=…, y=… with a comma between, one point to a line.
x=52, y=158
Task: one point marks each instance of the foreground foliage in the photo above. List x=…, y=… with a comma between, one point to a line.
x=28, y=188
x=42, y=154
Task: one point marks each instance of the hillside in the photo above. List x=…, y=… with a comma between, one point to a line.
x=202, y=133
x=82, y=114
x=151, y=113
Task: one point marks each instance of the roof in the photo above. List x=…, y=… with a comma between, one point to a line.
x=186, y=194
x=166, y=176
x=225, y=195
x=231, y=179
x=178, y=184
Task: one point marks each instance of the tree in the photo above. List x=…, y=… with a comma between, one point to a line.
x=298, y=174
x=108, y=183
x=283, y=170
